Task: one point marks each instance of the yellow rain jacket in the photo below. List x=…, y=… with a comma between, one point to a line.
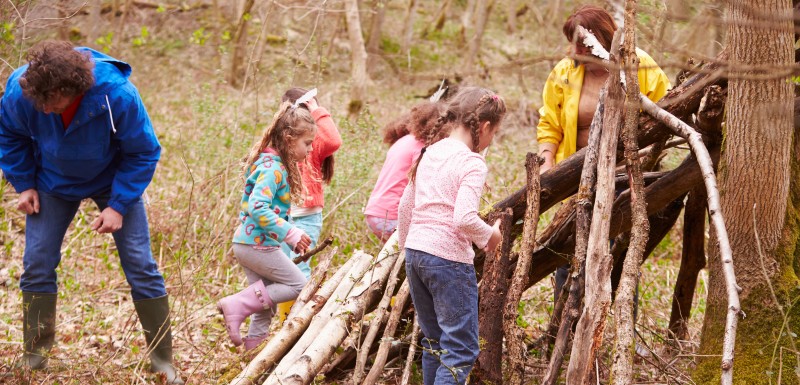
x=558, y=122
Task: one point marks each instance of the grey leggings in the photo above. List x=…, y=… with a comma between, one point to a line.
x=281, y=276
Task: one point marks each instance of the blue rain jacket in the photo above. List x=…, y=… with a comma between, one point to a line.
x=108, y=148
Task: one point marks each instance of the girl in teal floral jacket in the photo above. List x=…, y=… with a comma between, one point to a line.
x=272, y=181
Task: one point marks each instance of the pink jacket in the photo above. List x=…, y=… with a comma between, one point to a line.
x=393, y=178
x=325, y=144
x=438, y=213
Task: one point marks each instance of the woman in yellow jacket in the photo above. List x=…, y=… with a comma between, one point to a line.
x=572, y=90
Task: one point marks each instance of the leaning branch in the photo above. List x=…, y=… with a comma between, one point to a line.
x=715, y=214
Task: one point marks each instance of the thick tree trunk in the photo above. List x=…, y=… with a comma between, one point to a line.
x=375, y=29
x=759, y=126
x=408, y=25
x=482, y=10
x=239, y=42
x=358, y=59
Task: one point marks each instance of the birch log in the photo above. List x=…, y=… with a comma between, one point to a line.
x=391, y=325
x=295, y=325
x=302, y=369
x=718, y=223
x=324, y=315
x=318, y=277
x=378, y=319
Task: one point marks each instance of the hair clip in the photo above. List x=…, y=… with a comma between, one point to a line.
x=306, y=97
x=495, y=97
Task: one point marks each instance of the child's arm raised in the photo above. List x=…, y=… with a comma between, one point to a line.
x=328, y=139
x=465, y=210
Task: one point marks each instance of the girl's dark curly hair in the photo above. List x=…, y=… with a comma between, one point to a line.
x=420, y=122
x=56, y=69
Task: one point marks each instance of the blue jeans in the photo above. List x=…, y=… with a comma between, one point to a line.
x=44, y=233
x=445, y=296
x=312, y=225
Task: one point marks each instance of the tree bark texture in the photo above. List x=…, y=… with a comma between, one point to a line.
x=624, y=345
x=515, y=336
x=597, y=297
x=492, y=296
x=758, y=127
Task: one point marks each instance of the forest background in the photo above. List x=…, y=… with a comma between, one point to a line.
x=211, y=74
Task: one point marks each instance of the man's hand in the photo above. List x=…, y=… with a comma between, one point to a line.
x=109, y=221
x=495, y=239
x=302, y=245
x=28, y=201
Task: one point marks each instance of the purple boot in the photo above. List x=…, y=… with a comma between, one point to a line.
x=235, y=308
x=251, y=343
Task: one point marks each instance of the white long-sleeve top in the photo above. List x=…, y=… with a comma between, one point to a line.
x=438, y=213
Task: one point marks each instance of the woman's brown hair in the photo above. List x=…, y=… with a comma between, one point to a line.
x=469, y=108
x=596, y=20
x=55, y=69
x=328, y=164
x=288, y=124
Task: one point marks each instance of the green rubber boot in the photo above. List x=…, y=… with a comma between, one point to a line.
x=39, y=328
x=154, y=316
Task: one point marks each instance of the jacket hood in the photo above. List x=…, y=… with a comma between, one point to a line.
x=108, y=71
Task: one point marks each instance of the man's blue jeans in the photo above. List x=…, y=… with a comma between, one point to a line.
x=311, y=225
x=44, y=234
x=445, y=295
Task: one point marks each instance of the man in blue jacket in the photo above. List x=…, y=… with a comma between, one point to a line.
x=72, y=126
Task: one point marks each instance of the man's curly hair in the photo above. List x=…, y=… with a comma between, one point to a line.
x=56, y=69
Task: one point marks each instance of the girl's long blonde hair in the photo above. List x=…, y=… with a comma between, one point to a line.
x=288, y=124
